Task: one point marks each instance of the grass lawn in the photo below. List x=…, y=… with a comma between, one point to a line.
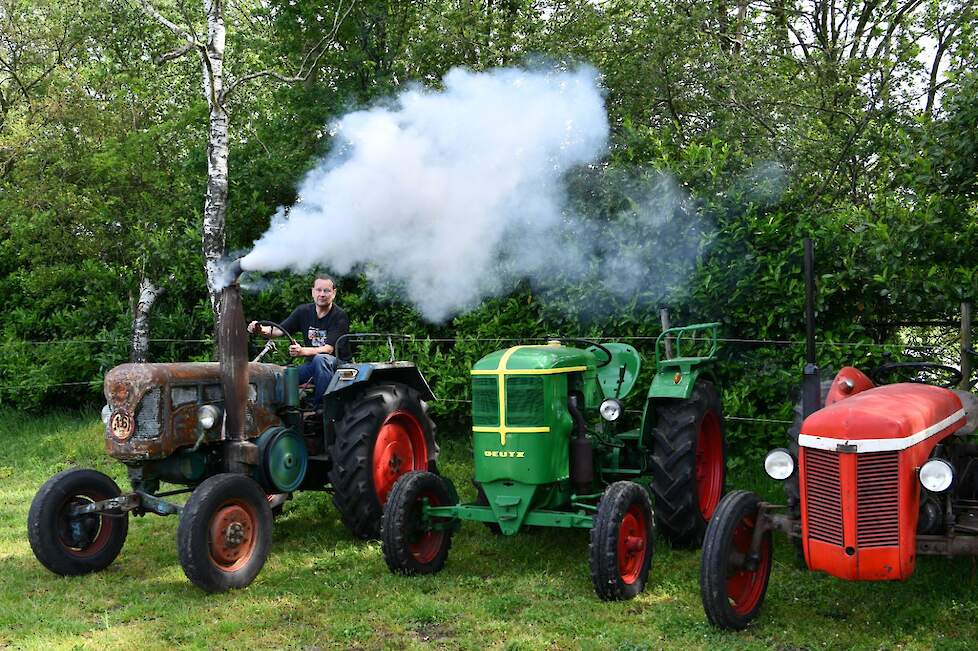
x=321, y=590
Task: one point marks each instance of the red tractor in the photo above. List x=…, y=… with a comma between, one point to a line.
x=876, y=477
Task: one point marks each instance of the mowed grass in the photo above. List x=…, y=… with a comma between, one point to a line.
x=320, y=589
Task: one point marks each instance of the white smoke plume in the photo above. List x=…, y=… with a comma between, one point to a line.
x=451, y=195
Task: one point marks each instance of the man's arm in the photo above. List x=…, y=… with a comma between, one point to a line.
x=290, y=323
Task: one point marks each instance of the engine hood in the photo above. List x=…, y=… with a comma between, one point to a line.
x=890, y=417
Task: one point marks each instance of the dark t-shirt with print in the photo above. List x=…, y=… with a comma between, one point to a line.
x=319, y=332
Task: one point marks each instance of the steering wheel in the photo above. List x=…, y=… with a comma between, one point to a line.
x=940, y=375
x=588, y=342
x=270, y=341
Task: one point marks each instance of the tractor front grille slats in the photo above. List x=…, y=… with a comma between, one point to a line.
x=485, y=401
x=877, y=501
x=148, y=416
x=525, y=401
x=824, y=503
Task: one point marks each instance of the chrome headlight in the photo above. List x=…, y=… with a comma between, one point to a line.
x=106, y=414
x=936, y=475
x=610, y=410
x=779, y=464
x=208, y=415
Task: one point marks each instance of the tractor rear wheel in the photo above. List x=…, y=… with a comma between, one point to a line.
x=385, y=433
x=732, y=585
x=688, y=464
x=225, y=533
x=69, y=545
x=620, y=553
x=410, y=544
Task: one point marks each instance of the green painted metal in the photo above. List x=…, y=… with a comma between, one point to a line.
x=284, y=459
x=291, y=379
x=536, y=517
x=532, y=457
x=510, y=501
x=675, y=376
x=622, y=355
x=522, y=427
x=181, y=467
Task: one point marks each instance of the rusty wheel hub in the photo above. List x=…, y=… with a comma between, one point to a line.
x=232, y=535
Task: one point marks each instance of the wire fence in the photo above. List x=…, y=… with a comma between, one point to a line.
x=932, y=349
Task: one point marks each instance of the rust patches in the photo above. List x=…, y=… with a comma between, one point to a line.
x=156, y=435
x=232, y=345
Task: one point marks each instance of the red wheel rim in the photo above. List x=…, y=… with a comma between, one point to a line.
x=426, y=546
x=633, y=538
x=400, y=447
x=745, y=587
x=105, y=526
x=709, y=464
x=232, y=538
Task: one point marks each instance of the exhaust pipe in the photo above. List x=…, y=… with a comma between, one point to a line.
x=232, y=351
x=811, y=382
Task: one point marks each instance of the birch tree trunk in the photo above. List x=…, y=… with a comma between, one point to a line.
x=139, y=343
x=215, y=201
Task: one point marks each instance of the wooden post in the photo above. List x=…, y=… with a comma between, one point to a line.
x=664, y=315
x=965, y=346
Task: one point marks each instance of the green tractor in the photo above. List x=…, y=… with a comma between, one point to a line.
x=550, y=452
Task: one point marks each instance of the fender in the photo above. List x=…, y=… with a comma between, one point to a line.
x=349, y=376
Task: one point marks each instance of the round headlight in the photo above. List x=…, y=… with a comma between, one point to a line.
x=208, y=415
x=106, y=414
x=610, y=410
x=779, y=464
x=936, y=475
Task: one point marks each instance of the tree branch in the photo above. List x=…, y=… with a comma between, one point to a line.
x=306, y=66
x=178, y=30
x=174, y=54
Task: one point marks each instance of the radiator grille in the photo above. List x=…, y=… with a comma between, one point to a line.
x=148, y=416
x=877, y=502
x=524, y=401
x=824, y=503
x=485, y=401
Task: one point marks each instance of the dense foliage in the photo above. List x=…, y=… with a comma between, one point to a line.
x=773, y=120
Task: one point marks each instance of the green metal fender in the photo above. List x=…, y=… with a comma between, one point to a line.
x=610, y=375
x=675, y=376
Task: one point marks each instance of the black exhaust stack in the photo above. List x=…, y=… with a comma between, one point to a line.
x=232, y=350
x=812, y=381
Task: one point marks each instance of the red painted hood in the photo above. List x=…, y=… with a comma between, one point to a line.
x=893, y=411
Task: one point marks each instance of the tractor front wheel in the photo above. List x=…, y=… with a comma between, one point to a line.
x=621, y=547
x=411, y=543
x=225, y=533
x=732, y=582
x=71, y=545
x=385, y=433
x=688, y=464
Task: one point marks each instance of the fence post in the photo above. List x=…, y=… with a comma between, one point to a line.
x=965, y=346
x=664, y=316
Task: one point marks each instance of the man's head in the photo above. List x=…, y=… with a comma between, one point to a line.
x=323, y=291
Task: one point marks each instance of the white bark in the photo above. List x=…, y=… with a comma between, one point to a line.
x=139, y=344
x=211, y=53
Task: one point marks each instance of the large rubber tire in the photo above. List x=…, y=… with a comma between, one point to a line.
x=384, y=433
x=622, y=542
x=732, y=598
x=408, y=547
x=225, y=533
x=93, y=542
x=689, y=453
